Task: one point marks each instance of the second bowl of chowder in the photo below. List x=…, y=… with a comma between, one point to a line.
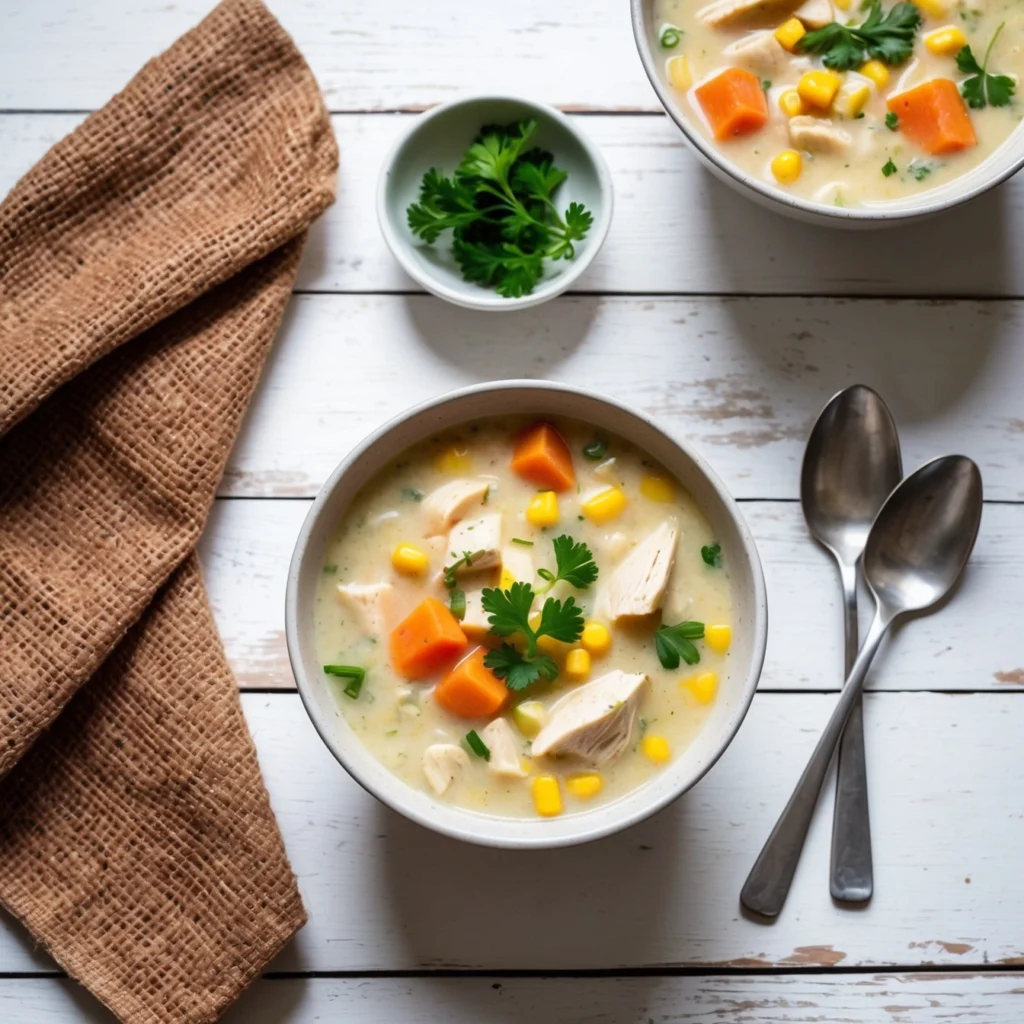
x=522, y=615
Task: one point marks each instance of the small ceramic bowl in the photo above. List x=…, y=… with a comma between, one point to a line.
x=438, y=139
x=541, y=399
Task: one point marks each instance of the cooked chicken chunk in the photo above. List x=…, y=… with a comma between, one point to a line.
x=481, y=537
x=448, y=504
x=817, y=135
x=373, y=605
x=728, y=13
x=594, y=721
x=637, y=585
x=518, y=562
x=475, y=623
x=760, y=52
x=504, y=748
x=816, y=13
x=443, y=763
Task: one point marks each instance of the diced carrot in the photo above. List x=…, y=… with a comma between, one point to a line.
x=935, y=116
x=471, y=689
x=734, y=103
x=543, y=458
x=425, y=640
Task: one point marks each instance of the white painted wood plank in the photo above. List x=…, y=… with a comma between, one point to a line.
x=578, y=53
x=741, y=379
x=970, y=644
x=740, y=999
x=676, y=228
x=383, y=894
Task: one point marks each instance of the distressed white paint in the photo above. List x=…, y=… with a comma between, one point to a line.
x=971, y=643
x=676, y=228
x=383, y=894
x=739, y=999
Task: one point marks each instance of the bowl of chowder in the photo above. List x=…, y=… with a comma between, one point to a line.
x=523, y=615
x=841, y=111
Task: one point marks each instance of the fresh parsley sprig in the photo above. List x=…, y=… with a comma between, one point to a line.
x=984, y=89
x=673, y=643
x=573, y=563
x=885, y=37
x=712, y=555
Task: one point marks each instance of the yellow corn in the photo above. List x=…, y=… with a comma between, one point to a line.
x=543, y=509
x=547, y=797
x=843, y=5
x=529, y=717
x=852, y=99
x=606, y=505
x=934, y=8
x=584, y=785
x=789, y=33
x=787, y=166
x=791, y=104
x=679, y=73
x=877, y=72
x=596, y=638
x=655, y=749
x=718, y=638
x=818, y=88
x=657, y=488
x=507, y=579
x=945, y=41
x=454, y=461
x=702, y=687
x=577, y=665
x=409, y=560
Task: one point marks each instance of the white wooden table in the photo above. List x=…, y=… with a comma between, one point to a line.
x=732, y=327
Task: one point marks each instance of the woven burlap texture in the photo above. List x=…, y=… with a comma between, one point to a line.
x=145, y=264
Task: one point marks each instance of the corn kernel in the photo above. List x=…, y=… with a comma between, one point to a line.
x=409, y=560
x=702, y=687
x=657, y=488
x=787, y=166
x=818, y=88
x=454, y=461
x=791, y=104
x=584, y=785
x=851, y=99
x=577, y=665
x=596, y=638
x=843, y=5
x=934, y=8
x=679, y=73
x=718, y=638
x=547, y=797
x=945, y=41
x=789, y=33
x=655, y=749
x=877, y=72
x=606, y=505
x=529, y=717
x=543, y=509
x=506, y=580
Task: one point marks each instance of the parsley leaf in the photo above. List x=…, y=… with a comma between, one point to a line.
x=712, y=555
x=984, y=89
x=675, y=642
x=892, y=121
x=517, y=671
x=888, y=168
x=885, y=37
x=573, y=563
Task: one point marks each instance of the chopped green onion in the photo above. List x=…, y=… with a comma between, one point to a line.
x=712, y=555
x=670, y=37
x=457, y=604
x=412, y=494
x=477, y=745
x=525, y=543
x=353, y=673
x=596, y=450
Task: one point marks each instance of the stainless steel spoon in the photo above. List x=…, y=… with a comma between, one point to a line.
x=918, y=545
x=851, y=465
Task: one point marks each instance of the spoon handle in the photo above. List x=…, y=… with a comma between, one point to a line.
x=852, y=874
x=767, y=885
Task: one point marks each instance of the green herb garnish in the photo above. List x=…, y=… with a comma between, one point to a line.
x=500, y=206
x=892, y=121
x=525, y=543
x=457, y=603
x=412, y=494
x=675, y=642
x=596, y=450
x=477, y=745
x=573, y=563
x=888, y=38
x=353, y=673
x=919, y=171
x=330, y=569
x=766, y=84
x=888, y=168
x=984, y=89
x=508, y=612
x=712, y=555
x=467, y=559
x=670, y=36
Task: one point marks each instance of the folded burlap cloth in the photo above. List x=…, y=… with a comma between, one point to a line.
x=145, y=264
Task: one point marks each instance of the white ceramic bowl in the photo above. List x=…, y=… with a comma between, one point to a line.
x=1002, y=164
x=438, y=139
x=539, y=398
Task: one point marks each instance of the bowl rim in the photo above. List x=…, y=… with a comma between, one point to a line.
x=631, y=810
x=865, y=216
x=490, y=301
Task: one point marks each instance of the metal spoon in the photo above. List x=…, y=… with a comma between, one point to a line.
x=918, y=545
x=851, y=465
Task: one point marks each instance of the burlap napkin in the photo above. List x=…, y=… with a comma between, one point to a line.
x=145, y=264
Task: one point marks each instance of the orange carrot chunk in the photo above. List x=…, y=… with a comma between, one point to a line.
x=734, y=103
x=471, y=689
x=934, y=116
x=543, y=458
x=427, y=639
